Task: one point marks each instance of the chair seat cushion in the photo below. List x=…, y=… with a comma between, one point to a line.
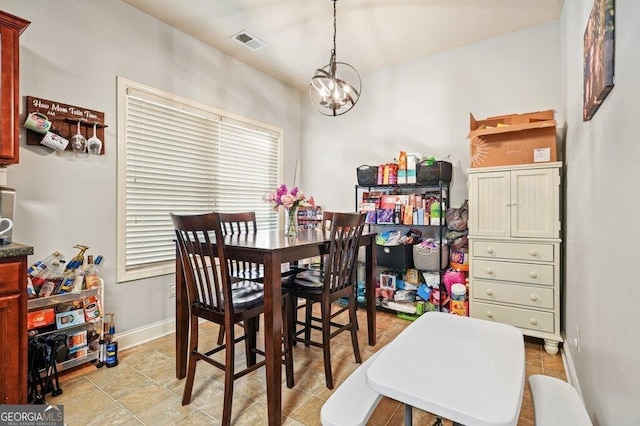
x=309, y=279
x=247, y=294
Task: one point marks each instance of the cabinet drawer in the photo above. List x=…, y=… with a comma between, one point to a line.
x=512, y=250
x=531, y=296
x=523, y=318
x=529, y=273
x=10, y=277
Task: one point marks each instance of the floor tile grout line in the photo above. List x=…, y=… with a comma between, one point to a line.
x=170, y=391
x=101, y=390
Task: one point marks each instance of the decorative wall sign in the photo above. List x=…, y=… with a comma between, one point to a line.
x=598, y=56
x=64, y=120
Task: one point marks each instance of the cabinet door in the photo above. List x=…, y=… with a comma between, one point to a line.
x=10, y=29
x=534, y=203
x=489, y=200
x=12, y=356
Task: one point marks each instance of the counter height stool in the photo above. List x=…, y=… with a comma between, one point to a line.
x=328, y=285
x=213, y=296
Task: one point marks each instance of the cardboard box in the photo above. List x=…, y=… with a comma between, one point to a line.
x=76, y=340
x=69, y=319
x=41, y=318
x=78, y=352
x=513, y=139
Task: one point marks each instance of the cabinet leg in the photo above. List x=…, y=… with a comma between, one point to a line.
x=551, y=347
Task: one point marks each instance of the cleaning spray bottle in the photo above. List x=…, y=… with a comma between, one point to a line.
x=111, y=346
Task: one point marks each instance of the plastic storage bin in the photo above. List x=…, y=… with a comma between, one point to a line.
x=395, y=257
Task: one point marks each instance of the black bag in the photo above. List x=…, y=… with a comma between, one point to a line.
x=367, y=175
x=438, y=171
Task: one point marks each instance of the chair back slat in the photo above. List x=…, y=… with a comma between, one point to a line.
x=238, y=224
x=207, y=283
x=346, y=229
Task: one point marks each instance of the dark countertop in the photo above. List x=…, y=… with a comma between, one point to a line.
x=14, y=249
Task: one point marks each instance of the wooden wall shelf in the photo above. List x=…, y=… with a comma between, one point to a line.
x=64, y=119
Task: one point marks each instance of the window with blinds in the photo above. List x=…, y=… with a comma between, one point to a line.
x=178, y=156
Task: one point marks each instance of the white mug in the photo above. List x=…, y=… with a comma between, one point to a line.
x=9, y=226
x=54, y=141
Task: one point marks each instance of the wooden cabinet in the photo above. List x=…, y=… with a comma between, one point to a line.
x=10, y=29
x=13, y=323
x=514, y=247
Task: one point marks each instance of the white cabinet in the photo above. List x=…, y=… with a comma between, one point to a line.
x=521, y=203
x=514, y=247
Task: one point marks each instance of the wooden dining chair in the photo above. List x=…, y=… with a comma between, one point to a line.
x=318, y=262
x=326, y=286
x=239, y=223
x=213, y=296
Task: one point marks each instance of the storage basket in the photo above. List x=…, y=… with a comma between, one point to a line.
x=426, y=259
x=395, y=257
x=367, y=175
x=438, y=171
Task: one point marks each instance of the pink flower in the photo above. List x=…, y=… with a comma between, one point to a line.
x=282, y=196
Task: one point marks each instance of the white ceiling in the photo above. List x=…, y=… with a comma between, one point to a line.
x=372, y=34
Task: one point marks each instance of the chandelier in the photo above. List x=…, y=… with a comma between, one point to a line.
x=335, y=88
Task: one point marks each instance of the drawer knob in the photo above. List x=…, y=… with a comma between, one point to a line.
x=387, y=250
x=533, y=253
x=533, y=321
x=489, y=271
x=533, y=275
x=489, y=250
x=489, y=314
x=490, y=292
x=533, y=297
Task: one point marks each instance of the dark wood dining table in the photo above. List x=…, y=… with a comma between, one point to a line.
x=272, y=249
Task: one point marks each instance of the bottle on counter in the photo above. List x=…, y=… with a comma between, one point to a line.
x=91, y=278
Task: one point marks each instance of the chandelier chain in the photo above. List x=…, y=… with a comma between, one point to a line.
x=334, y=26
x=335, y=88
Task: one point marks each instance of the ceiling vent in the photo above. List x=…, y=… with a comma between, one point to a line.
x=248, y=40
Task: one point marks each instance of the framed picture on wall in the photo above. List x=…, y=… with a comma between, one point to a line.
x=598, y=56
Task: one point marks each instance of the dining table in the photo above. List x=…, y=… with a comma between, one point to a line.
x=272, y=249
x=470, y=371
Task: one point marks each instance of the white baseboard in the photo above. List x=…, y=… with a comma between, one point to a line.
x=570, y=368
x=145, y=334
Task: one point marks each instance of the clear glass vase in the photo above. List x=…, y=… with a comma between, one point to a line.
x=291, y=222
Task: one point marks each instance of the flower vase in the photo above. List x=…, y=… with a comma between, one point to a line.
x=291, y=222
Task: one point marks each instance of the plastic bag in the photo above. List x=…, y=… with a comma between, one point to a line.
x=457, y=217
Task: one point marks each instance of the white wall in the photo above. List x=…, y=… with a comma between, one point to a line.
x=71, y=53
x=424, y=105
x=601, y=228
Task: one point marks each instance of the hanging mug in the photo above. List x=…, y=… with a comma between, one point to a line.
x=9, y=223
x=37, y=122
x=54, y=141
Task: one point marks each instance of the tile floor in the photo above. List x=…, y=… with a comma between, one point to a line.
x=143, y=389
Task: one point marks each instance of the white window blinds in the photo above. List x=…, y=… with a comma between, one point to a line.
x=180, y=157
